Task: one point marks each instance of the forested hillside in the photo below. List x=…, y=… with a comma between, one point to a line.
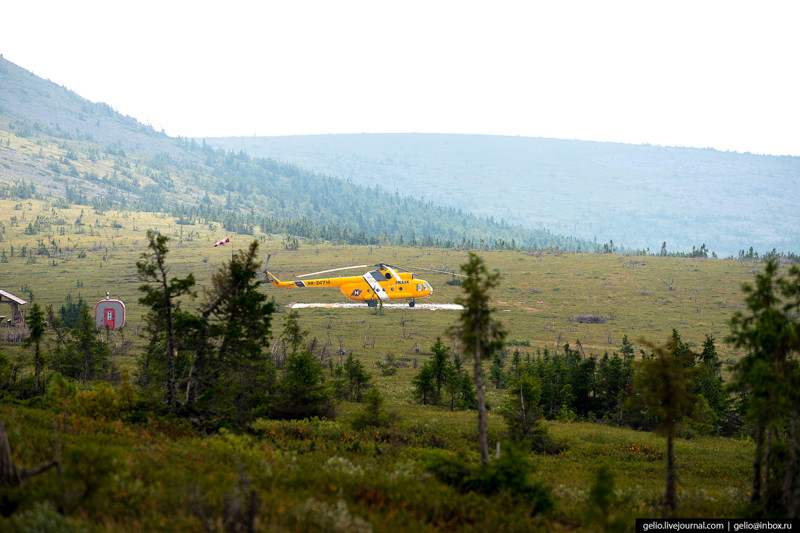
x=637, y=196
x=55, y=144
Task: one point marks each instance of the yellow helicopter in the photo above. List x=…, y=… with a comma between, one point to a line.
x=384, y=283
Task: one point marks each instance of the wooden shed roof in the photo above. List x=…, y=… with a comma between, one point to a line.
x=4, y=294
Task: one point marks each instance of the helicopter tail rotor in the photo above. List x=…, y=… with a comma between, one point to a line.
x=269, y=278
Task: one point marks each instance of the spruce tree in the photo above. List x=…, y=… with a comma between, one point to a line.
x=36, y=329
x=666, y=384
x=439, y=363
x=239, y=318
x=767, y=377
x=425, y=385
x=709, y=380
x=522, y=410
x=301, y=392
x=161, y=296
x=357, y=378
x=87, y=352
x=481, y=335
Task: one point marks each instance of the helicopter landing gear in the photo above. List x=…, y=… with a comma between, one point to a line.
x=372, y=303
x=412, y=303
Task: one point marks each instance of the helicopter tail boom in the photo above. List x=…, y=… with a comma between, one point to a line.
x=276, y=282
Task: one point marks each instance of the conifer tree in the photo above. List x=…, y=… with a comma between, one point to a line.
x=768, y=376
x=439, y=364
x=302, y=390
x=85, y=352
x=709, y=380
x=373, y=414
x=161, y=295
x=425, y=385
x=482, y=336
x=626, y=349
x=238, y=318
x=453, y=381
x=36, y=329
x=522, y=410
x=357, y=378
x=666, y=384
x=496, y=374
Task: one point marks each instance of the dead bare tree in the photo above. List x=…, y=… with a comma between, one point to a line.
x=341, y=352
x=278, y=353
x=580, y=347
x=312, y=345
x=366, y=332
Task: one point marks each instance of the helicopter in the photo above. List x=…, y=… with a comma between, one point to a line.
x=384, y=283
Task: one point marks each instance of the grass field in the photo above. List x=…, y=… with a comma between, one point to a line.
x=310, y=474
x=540, y=299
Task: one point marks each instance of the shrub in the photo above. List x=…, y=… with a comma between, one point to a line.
x=589, y=319
x=509, y=474
x=42, y=516
x=373, y=414
x=302, y=391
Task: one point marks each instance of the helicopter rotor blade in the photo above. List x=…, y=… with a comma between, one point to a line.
x=440, y=271
x=405, y=269
x=334, y=270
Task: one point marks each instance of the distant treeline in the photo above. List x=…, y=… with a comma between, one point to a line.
x=702, y=252
x=575, y=385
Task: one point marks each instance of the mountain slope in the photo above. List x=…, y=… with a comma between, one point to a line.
x=639, y=196
x=54, y=143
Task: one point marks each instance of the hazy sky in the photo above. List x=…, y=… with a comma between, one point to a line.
x=720, y=74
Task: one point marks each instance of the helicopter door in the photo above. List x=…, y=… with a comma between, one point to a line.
x=372, y=281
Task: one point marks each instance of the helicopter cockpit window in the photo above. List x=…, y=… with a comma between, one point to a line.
x=419, y=286
x=378, y=275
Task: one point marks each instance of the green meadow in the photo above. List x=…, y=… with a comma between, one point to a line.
x=152, y=474
x=542, y=298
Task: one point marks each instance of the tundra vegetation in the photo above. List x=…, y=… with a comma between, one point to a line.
x=343, y=419
x=218, y=407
